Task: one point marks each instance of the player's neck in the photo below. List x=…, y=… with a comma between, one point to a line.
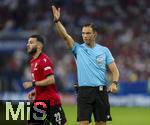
x=36, y=55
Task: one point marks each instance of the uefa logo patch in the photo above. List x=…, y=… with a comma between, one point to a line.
x=99, y=60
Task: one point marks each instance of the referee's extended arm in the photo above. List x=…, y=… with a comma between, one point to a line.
x=61, y=29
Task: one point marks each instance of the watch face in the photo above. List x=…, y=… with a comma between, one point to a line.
x=115, y=82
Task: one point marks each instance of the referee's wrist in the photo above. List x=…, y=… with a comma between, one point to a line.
x=115, y=82
x=56, y=20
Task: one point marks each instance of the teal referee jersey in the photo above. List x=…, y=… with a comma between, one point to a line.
x=92, y=64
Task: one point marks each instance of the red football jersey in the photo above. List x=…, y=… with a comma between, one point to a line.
x=41, y=67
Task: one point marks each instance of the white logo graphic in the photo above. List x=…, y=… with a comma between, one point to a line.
x=35, y=65
x=47, y=68
x=45, y=60
x=108, y=116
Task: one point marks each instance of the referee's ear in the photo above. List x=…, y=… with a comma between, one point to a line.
x=95, y=34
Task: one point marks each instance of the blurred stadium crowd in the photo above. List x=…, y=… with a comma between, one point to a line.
x=124, y=27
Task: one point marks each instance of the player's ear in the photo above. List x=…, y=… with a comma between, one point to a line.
x=39, y=45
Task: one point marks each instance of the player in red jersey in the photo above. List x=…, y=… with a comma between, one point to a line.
x=43, y=80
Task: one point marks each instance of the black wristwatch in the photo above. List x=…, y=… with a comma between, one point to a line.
x=115, y=82
x=56, y=21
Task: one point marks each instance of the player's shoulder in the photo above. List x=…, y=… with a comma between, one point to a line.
x=45, y=58
x=43, y=55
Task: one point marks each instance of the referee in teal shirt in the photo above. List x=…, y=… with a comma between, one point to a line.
x=93, y=61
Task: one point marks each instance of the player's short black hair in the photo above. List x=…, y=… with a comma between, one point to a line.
x=39, y=38
x=92, y=25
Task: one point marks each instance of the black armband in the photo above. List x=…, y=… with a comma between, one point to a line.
x=33, y=84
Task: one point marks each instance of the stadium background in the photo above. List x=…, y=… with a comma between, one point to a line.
x=124, y=27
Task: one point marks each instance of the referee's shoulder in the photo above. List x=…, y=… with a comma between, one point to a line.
x=101, y=46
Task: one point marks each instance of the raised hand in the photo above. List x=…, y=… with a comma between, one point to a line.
x=56, y=13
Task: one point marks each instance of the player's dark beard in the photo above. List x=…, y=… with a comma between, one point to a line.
x=33, y=51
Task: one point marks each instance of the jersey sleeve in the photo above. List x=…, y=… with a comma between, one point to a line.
x=47, y=67
x=75, y=48
x=109, y=57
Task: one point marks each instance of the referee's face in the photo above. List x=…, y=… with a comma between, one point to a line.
x=88, y=35
x=32, y=45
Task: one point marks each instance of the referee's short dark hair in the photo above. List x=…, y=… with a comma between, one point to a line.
x=92, y=25
x=39, y=38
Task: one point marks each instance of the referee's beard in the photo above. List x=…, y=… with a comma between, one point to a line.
x=33, y=51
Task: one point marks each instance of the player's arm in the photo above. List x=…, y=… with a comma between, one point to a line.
x=115, y=77
x=61, y=29
x=47, y=81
